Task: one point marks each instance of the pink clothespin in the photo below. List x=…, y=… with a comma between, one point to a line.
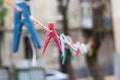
x=50, y=35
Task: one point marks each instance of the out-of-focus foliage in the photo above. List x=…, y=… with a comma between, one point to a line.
x=3, y=10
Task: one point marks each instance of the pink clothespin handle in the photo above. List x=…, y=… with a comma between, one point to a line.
x=50, y=35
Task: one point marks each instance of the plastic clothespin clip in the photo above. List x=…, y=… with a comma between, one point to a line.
x=71, y=51
x=18, y=23
x=81, y=48
x=50, y=35
x=65, y=41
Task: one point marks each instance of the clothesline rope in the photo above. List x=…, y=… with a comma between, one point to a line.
x=32, y=18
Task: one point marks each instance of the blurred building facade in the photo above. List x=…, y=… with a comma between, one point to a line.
x=46, y=11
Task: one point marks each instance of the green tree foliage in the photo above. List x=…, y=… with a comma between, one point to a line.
x=3, y=10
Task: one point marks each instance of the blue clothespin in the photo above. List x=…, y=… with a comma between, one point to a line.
x=66, y=44
x=18, y=23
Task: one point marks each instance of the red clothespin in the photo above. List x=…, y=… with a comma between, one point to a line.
x=50, y=35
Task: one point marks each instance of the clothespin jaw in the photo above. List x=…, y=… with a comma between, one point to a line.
x=18, y=23
x=65, y=56
x=71, y=51
x=50, y=35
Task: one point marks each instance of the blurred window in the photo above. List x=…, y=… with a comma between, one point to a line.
x=86, y=14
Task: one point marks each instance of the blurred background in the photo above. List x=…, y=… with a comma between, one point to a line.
x=84, y=20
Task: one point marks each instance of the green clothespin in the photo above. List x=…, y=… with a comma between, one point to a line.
x=70, y=51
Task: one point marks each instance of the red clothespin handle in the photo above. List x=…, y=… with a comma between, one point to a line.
x=50, y=35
